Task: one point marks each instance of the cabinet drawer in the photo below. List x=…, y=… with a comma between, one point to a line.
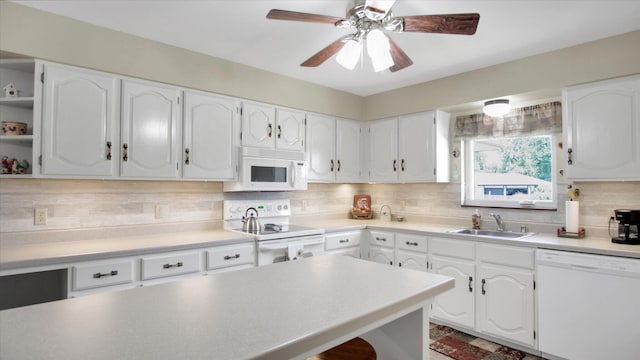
x=160, y=266
x=93, y=275
x=233, y=255
x=342, y=240
x=354, y=252
x=507, y=255
x=452, y=247
x=411, y=242
x=382, y=238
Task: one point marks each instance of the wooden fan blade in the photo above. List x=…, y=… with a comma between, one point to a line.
x=324, y=54
x=461, y=24
x=298, y=16
x=400, y=58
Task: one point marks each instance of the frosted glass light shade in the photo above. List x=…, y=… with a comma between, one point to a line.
x=349, y=54
x=496, y=108
x=379, y=50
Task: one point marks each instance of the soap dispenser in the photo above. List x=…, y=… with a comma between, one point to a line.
x=476, y=219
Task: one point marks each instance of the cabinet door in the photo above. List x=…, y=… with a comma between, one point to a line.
x=150, y=136
x=79, y=123
x=290, y=130
x=321, y=131
x=416, y=147
x=258, y=125
x=411, y=260
x=505, y=303
x=381, y=254
x=458, y=304
x=383, y=149
x=607, y=114
x=211, y=134
x=348, y=151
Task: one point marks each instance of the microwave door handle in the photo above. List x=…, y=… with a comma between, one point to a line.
x=293, y=174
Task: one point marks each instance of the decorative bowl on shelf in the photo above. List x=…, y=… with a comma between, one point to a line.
x=14, y=128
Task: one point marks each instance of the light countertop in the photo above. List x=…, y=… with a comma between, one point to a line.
x=272, y=312
x=64, y=252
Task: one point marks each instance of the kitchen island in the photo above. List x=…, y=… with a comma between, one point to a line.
x=284, y=311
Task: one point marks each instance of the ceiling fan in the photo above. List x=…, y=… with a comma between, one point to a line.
x=370, y=19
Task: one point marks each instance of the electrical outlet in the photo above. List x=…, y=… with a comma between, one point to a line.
x=304, y=205
x=161, y=211
x=40, y=216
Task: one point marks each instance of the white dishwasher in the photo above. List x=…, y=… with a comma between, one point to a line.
x=588, y=306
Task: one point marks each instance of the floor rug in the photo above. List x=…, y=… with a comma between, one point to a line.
x=460, y=346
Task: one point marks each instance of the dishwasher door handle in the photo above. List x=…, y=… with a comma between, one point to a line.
x=584, y=267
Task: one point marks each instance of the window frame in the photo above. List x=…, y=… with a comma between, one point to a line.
x=467, y=163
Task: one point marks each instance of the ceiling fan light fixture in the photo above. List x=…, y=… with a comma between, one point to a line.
x=379, y=50
x=350, y=54
x=496, y=108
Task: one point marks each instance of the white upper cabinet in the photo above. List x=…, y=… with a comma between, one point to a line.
x=412, y=148
x=602, y=130
x=290, y=130
x=80, y=122
x=211, y=133
x=349, y=157
x=258, y=125
x=321, y=134
x=267, y=127
x=149, y=133
x=383, y=149
x=334, y=146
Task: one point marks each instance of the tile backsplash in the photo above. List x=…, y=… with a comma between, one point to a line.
x=75, y=204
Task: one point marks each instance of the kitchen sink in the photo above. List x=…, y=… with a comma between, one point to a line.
x=492, y=233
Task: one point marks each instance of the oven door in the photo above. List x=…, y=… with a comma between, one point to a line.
x=274, y=251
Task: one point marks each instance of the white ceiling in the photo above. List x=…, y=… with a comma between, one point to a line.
x=237, y=30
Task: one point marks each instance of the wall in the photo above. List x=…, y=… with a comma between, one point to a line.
x=95, y=204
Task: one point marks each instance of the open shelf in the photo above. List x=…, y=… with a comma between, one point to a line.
x=20, y=102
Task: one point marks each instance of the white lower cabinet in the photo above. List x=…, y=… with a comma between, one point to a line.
x=494, y=292
x=343, y=243
x=411, y=251
x=456, y=259
x=381, y=247
x=231, y=257
x=101, y=276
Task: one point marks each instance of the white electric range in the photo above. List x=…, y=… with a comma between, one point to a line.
x=276, y=239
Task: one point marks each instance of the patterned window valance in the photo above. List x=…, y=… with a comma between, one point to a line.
x=530, y=120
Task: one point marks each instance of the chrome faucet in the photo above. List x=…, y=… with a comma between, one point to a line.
x=499, y=221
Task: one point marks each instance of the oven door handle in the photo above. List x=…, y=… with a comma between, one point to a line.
x=283, y=246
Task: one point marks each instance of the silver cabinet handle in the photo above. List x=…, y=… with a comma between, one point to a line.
x=483, y=291
x=569, y=160
x=169, y=266
x=338, y=165
x=270, y=129
x=343, y=241
x=411, y=243
x=186, y=156
x=279, y=131
x=381, y=239
x=101, y=275
x=394, y=165
x=332, y=165
x=108, y=150
x=236, y=256
x=125, y=151
x=470, y=282
x=402, y=164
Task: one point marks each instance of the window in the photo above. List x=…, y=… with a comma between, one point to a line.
x=510, y=172
x=509, y=161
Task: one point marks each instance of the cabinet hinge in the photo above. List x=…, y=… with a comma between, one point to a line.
x=42, y=77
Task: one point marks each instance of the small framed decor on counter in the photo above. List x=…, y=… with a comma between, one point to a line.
x=361, y=207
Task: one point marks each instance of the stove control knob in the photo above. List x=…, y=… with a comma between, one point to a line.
x=286, y=207
x=279, y=207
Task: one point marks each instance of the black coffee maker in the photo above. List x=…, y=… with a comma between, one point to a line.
x=627, y=229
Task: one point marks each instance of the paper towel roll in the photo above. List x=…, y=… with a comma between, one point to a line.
x=573, y=214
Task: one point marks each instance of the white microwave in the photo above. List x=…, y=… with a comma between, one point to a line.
x=270, y=170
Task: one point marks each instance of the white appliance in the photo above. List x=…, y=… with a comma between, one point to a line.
x=277, y=240
x=270, y=170
x=588, y=306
